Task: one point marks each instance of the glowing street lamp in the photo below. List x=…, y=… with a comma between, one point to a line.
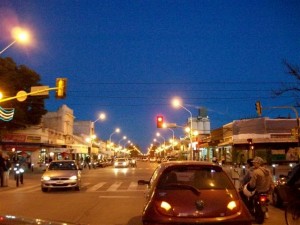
x=19, y=35
x=177, y=103
x=102, y=116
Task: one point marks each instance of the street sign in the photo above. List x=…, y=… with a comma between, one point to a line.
x=39, y=90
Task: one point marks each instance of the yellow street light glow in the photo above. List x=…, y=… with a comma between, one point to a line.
x=20, y=35
x=176, y=102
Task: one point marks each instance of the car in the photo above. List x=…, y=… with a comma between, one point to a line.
x=287, y=188
x=132, y=162
x=152, y=159
x=192, y=192
x=121, y=162
x=61, y=174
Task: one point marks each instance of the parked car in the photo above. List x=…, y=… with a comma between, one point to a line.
x=192, y=192
x=121, y=162
x=287, y=187
x=61, y=174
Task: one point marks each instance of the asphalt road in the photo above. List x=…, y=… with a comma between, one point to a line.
x=109, y=197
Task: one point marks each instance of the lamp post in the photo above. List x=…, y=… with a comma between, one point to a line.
x=173, y=134
x=176, y=103
x=19, y=35
x=123, y=138
x=117, y=130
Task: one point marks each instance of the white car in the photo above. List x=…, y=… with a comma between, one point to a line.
x=152, y=159
x=61, y=174
x=121, y=162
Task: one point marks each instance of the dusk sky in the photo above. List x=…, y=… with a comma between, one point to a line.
x=130, y=58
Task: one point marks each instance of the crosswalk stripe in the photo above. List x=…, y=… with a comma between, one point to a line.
x=114, y=186
x=133, y=186
x=95, y=187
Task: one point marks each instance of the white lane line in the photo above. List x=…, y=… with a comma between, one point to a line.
x=95, y=187
x=114, y=186
x=133, y=186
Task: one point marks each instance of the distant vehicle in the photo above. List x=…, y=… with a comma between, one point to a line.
x=61, y=174
x=145, y=159
x=121, y=162
x=192, y=192
x=172, y=159
x=152, y=159
x=287, y=188
x=132, y=162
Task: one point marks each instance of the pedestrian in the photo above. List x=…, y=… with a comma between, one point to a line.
x=6, y=170
x=2, y=166
x=244, y=181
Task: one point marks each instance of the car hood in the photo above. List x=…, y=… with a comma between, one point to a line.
x=205, y=204
x=11, y=220
x=60, y=173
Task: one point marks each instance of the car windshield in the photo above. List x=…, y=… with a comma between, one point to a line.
x=62, y=166
x=197, y=177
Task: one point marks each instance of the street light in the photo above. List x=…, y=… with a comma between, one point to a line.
x=117, y=130
x=102, y=116
x=173, y=134
x=19, y=35
x=177, y=103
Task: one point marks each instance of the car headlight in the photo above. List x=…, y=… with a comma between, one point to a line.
x=46, y=178
x=73, y=177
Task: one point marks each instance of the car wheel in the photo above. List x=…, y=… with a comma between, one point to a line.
x=44, y=189
x=276, y=200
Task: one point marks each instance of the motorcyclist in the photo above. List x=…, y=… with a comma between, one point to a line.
x=261, y=178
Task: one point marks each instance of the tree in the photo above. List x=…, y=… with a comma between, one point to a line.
x=14, y=78
x=294, y=88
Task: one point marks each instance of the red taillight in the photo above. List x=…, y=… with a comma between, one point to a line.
x=263, y=198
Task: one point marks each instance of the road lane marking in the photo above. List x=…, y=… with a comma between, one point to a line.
x=114, y=186
x=96, y=187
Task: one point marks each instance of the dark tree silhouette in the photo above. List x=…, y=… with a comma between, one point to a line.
x=14, y=78
x=293, y=88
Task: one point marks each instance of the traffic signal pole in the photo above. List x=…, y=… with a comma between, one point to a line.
x=296, y=113
x=27, y=94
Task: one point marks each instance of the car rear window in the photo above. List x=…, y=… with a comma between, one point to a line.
x=198, y=177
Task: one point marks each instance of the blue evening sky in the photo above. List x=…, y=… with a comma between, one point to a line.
x=130, y=58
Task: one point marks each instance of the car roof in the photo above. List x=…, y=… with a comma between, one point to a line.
x=65, y=160
x=167, y=164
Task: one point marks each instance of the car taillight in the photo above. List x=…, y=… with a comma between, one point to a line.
x=164, y=208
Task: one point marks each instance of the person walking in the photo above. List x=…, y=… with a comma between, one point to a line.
x=2, y=167
x=6, y=170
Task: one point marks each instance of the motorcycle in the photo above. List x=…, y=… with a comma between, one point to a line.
x=132, y=163
x=257, y=204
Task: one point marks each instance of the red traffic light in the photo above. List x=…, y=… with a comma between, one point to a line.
x=159, y=121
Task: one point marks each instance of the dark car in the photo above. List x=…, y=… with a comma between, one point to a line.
x=287, y=187
x=192, y=192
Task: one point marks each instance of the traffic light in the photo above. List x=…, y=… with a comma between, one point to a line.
x=258, y=108
x=61, y=85
x=159, y=121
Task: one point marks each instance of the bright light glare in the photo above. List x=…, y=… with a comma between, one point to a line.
x=231, y=205
x=176, y=102
x=165, y=205
x=73, y=177
x=20, y=35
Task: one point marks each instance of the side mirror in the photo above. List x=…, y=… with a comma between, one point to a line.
x=143, y=182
